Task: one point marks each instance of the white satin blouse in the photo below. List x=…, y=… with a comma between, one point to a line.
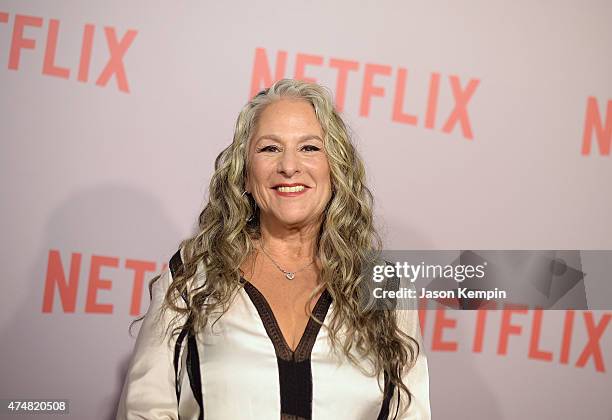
x=247, y=371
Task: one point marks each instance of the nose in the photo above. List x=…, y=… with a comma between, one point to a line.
x=289, y=163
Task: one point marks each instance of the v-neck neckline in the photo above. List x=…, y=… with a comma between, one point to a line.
x=304, y=347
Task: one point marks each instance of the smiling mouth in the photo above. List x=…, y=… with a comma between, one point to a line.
x=290, y=190
x=293, y=189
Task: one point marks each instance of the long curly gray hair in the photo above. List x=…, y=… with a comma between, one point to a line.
x=230, y=222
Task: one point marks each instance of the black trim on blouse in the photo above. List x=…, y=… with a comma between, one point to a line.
x=193, y=357
x=294, y=367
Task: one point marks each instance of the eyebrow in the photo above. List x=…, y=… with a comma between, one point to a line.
x=277, y=138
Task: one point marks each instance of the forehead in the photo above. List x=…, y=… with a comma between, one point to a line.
x=288, y=117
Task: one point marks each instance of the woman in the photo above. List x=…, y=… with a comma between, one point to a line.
x=259, y=316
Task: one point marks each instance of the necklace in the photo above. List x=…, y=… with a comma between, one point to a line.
x=289, y=274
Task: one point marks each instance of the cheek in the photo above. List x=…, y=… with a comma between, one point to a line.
x=258, y=181
x=256, y=174
x=322, y=173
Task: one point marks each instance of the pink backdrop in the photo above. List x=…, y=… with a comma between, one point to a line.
x=484, y=125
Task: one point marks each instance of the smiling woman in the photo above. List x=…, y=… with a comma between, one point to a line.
x=288, y=173
x=259, y=315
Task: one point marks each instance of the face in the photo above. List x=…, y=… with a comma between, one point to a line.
x=288, y=172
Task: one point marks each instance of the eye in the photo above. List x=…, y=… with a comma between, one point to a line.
x=310, y=148
x=269, y=148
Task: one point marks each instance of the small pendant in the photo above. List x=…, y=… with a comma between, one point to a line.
x=290, y=276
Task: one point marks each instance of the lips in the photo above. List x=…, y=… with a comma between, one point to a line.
x=295, y=184
x=295, y=187
x=290, y=190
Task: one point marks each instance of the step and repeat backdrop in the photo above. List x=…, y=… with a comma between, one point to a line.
x=483, y=125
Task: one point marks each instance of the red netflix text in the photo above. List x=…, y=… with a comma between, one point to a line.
x=516, y=320
x=462, y=90
x=117, y=47
x=65, y=285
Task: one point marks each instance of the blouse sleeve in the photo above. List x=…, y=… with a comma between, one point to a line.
x=417, y=377
x=149, y=388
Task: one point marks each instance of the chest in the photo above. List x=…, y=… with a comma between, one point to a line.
x=288, y=301
x=243, y=364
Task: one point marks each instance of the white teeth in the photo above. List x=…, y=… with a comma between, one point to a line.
x=291, y=189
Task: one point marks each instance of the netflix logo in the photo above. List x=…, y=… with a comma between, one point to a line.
x=117, y=46
x=498, y=327
x=426, y=116
x=64, y=284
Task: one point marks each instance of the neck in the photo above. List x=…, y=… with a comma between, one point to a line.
x=290, y=244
